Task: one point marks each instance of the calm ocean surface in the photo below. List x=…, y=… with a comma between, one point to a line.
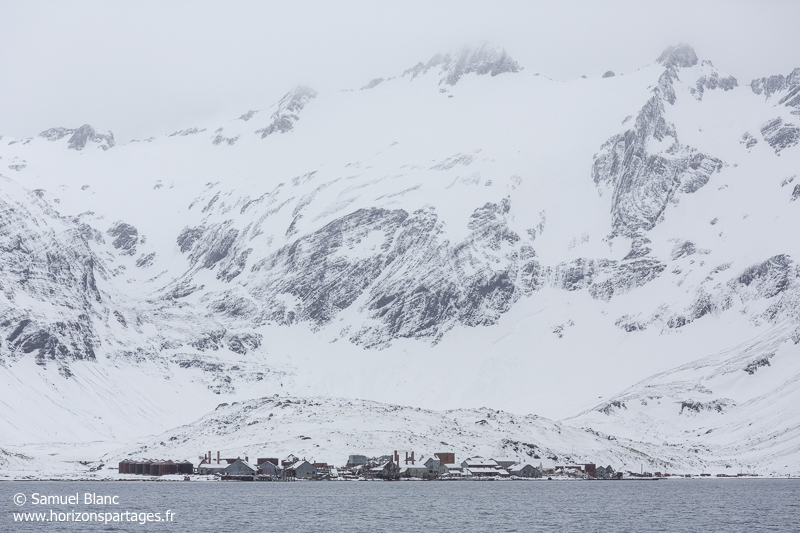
x=735, y=505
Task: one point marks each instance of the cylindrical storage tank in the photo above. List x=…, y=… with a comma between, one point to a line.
x=138, y=468
x=167, y=468
x=185, y=467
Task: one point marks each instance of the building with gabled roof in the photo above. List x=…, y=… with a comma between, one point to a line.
x=524, y=470
x=479, y=471
x=479, y=462
x=505, y=462
x=210, y=468
x=303, y=470
x=289, y=461
x=387, y=470
x=240, y=468
x=451, y=470
x=418, y=471
x=268, y=468
x=432, y=464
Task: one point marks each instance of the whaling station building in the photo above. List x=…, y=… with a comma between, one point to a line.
x=441, y=465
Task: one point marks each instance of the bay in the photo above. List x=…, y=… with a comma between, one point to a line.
x=729, y=505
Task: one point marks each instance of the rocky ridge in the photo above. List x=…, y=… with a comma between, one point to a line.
x=481, y=60
x=80, y=137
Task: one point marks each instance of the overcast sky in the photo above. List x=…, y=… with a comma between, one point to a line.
x=147, y=68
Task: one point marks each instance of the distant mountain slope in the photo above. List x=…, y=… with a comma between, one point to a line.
x=465, y=234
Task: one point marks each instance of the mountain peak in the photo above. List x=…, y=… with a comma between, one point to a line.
x=288, y=110
x=80, y=136
x=680, y=56
x=486, y=58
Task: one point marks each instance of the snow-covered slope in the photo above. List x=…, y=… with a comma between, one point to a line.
x=329, y=429
x=463, y=234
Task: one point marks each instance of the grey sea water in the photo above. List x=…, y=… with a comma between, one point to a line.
x=725, y=505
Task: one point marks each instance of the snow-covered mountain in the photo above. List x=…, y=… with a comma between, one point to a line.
x=464, y=234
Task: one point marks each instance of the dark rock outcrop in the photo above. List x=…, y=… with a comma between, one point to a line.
x=780, y=135
x=126, y=237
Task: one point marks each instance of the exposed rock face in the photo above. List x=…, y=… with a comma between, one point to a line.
x=711, y=82
x=680, y=56
x=80, y=137
x=247, y=116
x=367, y=256
x=485, y=59
x=785, y=88
x=219, y=138
x=125, y=237
x=769, y=278
x=748, y=140
x=776, y=279
x=778, y=83
x=44, y=258
x=373, y=83
x=216, y=245
x=609, y=74
x=780, y=135
x=470, y=283
x=146, y=260
x=646, y=167
x=55, y=134
x=186, y=132
x=288, y=112
x=325, y=272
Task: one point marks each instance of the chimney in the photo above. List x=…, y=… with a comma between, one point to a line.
x=246, y=459
x=406, y=457
x=396, y=458
x=412, y=458
x=217, y=456
x=209, y=456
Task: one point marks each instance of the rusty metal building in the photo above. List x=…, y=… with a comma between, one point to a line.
x=167, y=468
x=445, y=458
